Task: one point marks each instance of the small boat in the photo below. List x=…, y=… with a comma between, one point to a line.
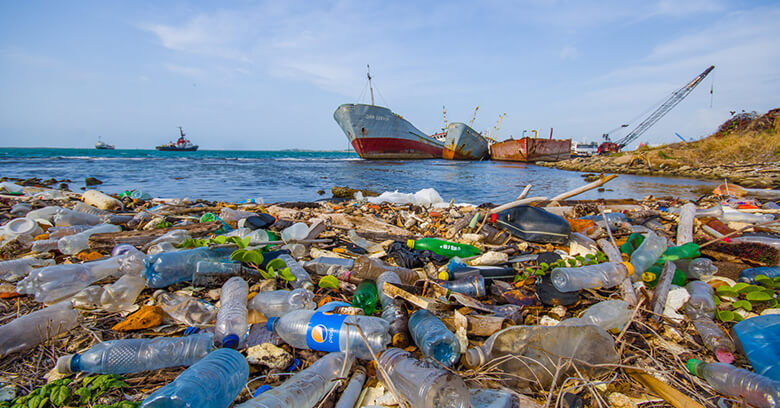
x=529, y=149
x=101, y=145
x=464, y=143
x=182, y=144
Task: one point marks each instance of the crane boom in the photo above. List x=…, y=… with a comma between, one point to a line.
x=654, y=117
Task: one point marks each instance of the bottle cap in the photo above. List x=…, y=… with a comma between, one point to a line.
x=230, y=341
x=692, y=365
x=444, y=275
x=270, y=323
x=648, y=276
x=64, y=364
x=410, y=243
x=630, y=268
x=494, y=217
x=263, y=388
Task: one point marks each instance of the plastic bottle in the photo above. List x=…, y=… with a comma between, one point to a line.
x=256, y=237
x=232, y=324
x=731, y=215
x=306, y=388
x=701, y=305
x=715, y=339
x=302, y=278
x=306, y=329
x=370, y=268
x=647, y=253
x=297, y=231
x=471, y=285
x=489, y=273
x=493, y=398
x=749, y=275
x=15, y=269
x=758, y=239
x=610, y=315
x=615, y=219
x=538, y=350
x=122, y=294
x=167, y=268
x=603, y=275
x=685, y=224
x=88, y=298
x=699, y=268
x=362, y=242
x=685, y=251
x=327, y=265
x=88, y=209
x=354, y=388
x=393, y=311
x=37, y=327
x=229, y=214
x=758, y=338
x=175, y=237
x=186, y=309
x=433, y=338
x=22, y=228
x=45, y=213
x=277, y=303
x=442, y=247
x=73, y=244
x=65, y=218
x=136, y=355
x=754, y=389
x=422, y=384
x=365, y=297
x=212, y=382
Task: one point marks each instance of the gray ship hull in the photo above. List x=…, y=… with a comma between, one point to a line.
x=464, y=143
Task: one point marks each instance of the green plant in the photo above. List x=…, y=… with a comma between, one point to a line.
x=254, y=258
x=745, y=297
x=542, y=268
x=217, y=240
x=63, y=392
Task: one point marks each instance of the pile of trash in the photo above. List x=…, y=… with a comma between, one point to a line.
x=396, y=300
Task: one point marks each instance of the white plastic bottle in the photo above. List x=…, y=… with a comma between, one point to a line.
x=232, y=326
x=122, y=294
x=756, y=390
x=699, y=268
x=37, y=327
x=186, y=309
x=65, y=217
x=73, y=244
x=297, y=231
x=277, y=303
x=603, y=275
x=610, y=315
x=15, y=269
x=307, y=329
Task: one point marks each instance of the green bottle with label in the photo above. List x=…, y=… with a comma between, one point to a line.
x=442, y=247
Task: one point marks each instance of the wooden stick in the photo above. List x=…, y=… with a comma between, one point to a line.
x=670, y=394
x=524, y=194
x=584, y=188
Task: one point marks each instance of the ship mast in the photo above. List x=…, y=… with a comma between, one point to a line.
x=368, y=73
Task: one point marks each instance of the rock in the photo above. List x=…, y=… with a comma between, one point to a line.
x=349, y=193
x=473, y=238
x=145, y=318
x=490, y=258
x=91, y=181
x=618, y=400
x=270, y=356
x=100, y=200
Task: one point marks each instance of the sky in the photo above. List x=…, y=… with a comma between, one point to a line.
x=268, y=75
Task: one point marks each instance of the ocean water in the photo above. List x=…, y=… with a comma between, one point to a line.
x=277, y=176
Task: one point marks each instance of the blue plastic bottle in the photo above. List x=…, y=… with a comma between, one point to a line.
x=167, y=268
x=759, y=339
x=433, y=338
x=749, y=275
x=213, y=382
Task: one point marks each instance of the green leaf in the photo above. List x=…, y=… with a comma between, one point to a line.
x=739, y=286
x=84, y=394
x=725, y=315
x=766, y=282
x=285, y=274
x=266, y=275
x=772, y=302
x=254, y=257
x=758, y=297
x=747, y=289
x=742, y=304
x=727, y=291
x=88, y=380
x=572, y=262
x=36, y=401
x=717, y=300
x=245, y=242
x=238, y=255
x=60, y=395
x=544, y=266
x=220, y=239
x=329, y=281
x=738, y=317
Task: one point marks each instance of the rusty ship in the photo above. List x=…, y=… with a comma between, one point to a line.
x=531, y=149
x=464, y=143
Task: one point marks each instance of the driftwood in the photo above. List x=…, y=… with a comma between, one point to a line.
x=141, y=238
x=584, y=188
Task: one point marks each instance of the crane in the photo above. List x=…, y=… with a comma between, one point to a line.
x=471, y=124
x=609, y=146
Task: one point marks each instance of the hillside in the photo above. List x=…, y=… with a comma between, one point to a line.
x=745, y=150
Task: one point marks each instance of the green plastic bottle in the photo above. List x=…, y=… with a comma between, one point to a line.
x=650, y=276
x=685, y=251
x=442, y=247
x=366, y=296
x=634, y=241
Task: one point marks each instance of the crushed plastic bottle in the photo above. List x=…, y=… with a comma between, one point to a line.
x=122, y=294
x=731, y=215
x=758, y=338
x=277, y=303
x=647, y=253
x=15, y=269
x=754, y=389
x=365, y=297
x=610, y=315
x=306, y=388
x=186, y=309
x=433, y=338
x=306, y=329
x=604, y=275
x=715, y=339
x=442, y=247
x=328, y=266
x=37, y=327
x=73, y=244
x=64, y=217
x=370, y=268
x=213, y=382
x=698, y=268
x=229, y=214
x=302, y=278
x=137, y=355
x=393, y=311
x=701, y=305
x=167, y=268
x=232, y=325
x=422, y=384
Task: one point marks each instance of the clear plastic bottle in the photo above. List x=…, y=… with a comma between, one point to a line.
x=229, y=214
x=685, y=224
x=715, y=339
x=37, y=327
x=698, y=268
x=433, y=338
x=362, y=242
x=167, y=268
x=756, y=390
x=610, y=315
x=61, y=232
x=370, y=268
x=701, y=305
x=15, y=269
x=232, y=324
x=65, y=218
x=136, y=355
x=186, y=309
x=302, y=278
x=648, y=253
x=174, y=237
x=45, y=213
x=256, y=237
x=324, y=265
x=758, y=239
x=88, y=298
x=297, y=231
x=393, y=310
x=213, y=382
x=615, y=219
x=73, y=244
x=730, y=215
x=122, y=294
x=471, y=285
x=88, y=209
x=354, y=388
x=422, y=384
x=759, y=339
x=277, y=303
x=603, y=275
x=307, y=329
x=44, y=245
x=306, y=388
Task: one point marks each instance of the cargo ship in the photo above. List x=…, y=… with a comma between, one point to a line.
x=182, y=144
x=464, y=143
x=376, y=132
x=530, y=149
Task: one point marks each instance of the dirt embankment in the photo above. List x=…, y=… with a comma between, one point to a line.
x=744, y=150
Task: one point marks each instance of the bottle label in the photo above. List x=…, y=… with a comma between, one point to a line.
x=323, y=331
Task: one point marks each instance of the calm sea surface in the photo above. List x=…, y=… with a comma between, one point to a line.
x=297, y=176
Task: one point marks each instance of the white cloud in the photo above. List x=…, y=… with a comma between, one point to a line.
x=569, y=53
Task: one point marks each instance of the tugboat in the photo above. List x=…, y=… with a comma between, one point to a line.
x=101, y=145
x=182, y=144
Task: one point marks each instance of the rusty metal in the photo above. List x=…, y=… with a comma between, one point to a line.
x=464, y=143
x=530, y=150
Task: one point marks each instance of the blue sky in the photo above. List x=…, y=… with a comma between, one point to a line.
x=268, y=75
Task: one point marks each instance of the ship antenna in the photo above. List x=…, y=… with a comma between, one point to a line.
x=181, y=131
x=368, y=73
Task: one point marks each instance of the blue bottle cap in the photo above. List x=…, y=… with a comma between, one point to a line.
x=270, y=323
x=296, y=365
x=191, y=330
x=262, y=389
x=230, y=341
x=74, y=363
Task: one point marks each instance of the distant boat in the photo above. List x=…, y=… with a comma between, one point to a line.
x=464, y=143
x=530, y=149
x=103, y=145
x=182, y=144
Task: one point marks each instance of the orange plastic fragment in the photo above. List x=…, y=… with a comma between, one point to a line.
x=145, y=318
x=374, y=207
x=41, y=237
x=730, y=189
x=89, y=256
x=434, y=214
x=582, y=226
x=324, y=300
